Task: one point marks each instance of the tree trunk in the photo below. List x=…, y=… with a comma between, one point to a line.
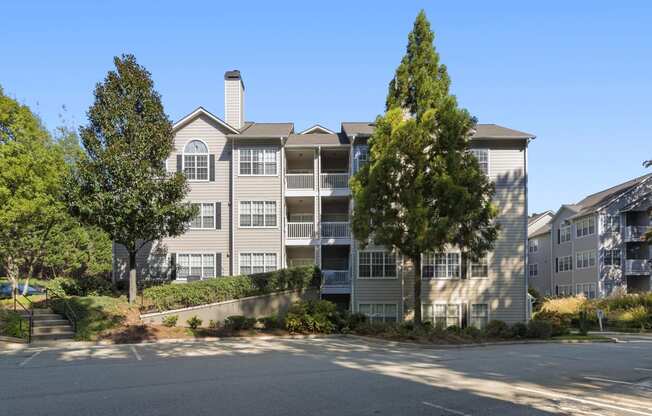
x=416, y=262
x=132, y=277
x=25, y=286
x=13, y=274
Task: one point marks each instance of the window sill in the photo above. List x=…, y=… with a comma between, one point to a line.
x=377, y=278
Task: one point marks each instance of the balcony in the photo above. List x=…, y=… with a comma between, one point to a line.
x=636, y=233
x=336, y=278
x=339, y=229
x=638, y=267
x=334, y=180
x=300, y=181
x=300, y=230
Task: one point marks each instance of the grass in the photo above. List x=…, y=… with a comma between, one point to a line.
x=12, y=324
x=97, y=315
x=578, y=337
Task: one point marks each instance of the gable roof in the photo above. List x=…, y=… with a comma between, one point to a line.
x=317, y=129
x=266, y=130
x=602, y=198
x=482, y=131
x=536, y=217
x=317, y=139
x=541, y=231
x=202, y=111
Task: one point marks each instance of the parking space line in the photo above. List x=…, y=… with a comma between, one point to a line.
x=28, y=359
x=643, y=369
x=133, y=349
x=610, y=381
x=584, y=401
x=582, y=412
x=446, y=409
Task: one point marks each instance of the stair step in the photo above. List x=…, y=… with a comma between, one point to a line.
x=47, y=316
x=49, y=337
x=46, y=330
x=50, y=322
x=41, y=311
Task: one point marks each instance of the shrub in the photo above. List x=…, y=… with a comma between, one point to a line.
x=239, y=322
x=272, y=322
x=311, y=317
x=170, y=320
x=634, y=317
x=374, y=328
x=174, y=296
x=564, y=306
x=454, y=329
x=194, y=322
x=497, y=329
x=583, y=323
x=539, y=329
x=519, y=330
x=560, y=324
x=213, y=324
x=472, y=332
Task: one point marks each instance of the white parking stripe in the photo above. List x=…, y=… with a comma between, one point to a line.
x=610, y=381
x=585, y=401
x=643, y=369
x=582, y=412
x=446, y=409
x=133, y=349
x=28, y=359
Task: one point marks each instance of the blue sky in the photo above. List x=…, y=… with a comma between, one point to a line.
x=576, y=74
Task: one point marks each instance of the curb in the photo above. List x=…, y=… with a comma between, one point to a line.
x=390, y=343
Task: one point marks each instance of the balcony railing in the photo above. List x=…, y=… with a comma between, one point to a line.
x=637, y=267
x=636, y=232
x=300, y=180
x=335, y=229
x=300, y=230
x=335, y=278
x=334, y=180
x=298, y=262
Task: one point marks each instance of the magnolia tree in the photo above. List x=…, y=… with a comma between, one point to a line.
x=120, y=183
x=422, y=191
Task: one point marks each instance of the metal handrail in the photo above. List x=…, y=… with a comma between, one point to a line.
x=67, y=309
x=30, y=314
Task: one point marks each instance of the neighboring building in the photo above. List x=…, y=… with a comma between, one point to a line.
x=598, y=245
x=273, y=198
x=538, y=268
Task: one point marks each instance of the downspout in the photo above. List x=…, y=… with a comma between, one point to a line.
x=353, y=255
x=525, y=251
x=232, y=209
x=282, y=256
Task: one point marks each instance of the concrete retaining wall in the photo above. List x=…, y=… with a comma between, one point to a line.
x=254, y=307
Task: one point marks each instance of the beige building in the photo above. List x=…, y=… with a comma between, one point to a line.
x=271, y=197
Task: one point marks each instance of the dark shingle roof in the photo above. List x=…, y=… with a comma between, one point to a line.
x=252, y=129
x=310, y=139
x=482, y=131
x=541, y=231
x=598, y=199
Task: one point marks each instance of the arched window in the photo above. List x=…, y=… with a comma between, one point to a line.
x=195, y=161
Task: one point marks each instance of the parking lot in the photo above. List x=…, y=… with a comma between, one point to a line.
x=328, y=376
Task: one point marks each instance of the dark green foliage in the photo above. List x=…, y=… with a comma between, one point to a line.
x=472, y=332
x=560, y=324
x=519, y=330
x=13, y=325
x=175, y=296
x=311, y=317
x=120, y=183
x=497, y=329
x=239, y=322
x=583, y=323
x=454, y=329
x=421, y=189
x=272, y=322
x=95, y=314
x=194, y=322
x=539, y=329
x=170, y=321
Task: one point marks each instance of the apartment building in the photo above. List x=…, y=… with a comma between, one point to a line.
x=271, y=197
x=538, y=268
x=597, y=245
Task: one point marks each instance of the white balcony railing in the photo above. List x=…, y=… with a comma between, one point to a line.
x=636, y=232
x=335, y=278
x=638, y=267
x=300, y=180
x=298, y=262
x=335, y=230
x=334, y=180
x=300, y=230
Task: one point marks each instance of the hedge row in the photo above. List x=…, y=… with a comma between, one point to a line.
x=202, y=292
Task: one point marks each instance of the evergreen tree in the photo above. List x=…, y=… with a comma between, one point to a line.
x=422, y=191
x=120, y=184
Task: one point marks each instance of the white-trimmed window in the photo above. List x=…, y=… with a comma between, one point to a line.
x=479, y=316
x=258, y=161
x=533, y=245
x=252, y=263
x=533, y=270
x=564, y=263
x=442, y=314
x=564, y=233
x=585, y=226
x=195, y=161
x=612, y=223
x=585, y=259
x=257, y=213
x=565, y=290
x=195, y=265
x=612, y=257
x=205, y=218
x=376, y=265
x=586, y=289
x=482, y=156
x=441, y=266
x=360, y=156
x=480, y=268
x=379, y=312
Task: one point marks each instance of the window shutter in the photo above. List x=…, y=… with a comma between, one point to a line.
x=218, y=215
x=211, y=167
x=465, y=315
x=556, y=264
x=558, y=235
x=179, y=163
x=218, y=264
x=173, y=266
x=465, y=265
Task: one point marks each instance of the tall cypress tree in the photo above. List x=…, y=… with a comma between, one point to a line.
x=422, y=191
x=120, y=184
